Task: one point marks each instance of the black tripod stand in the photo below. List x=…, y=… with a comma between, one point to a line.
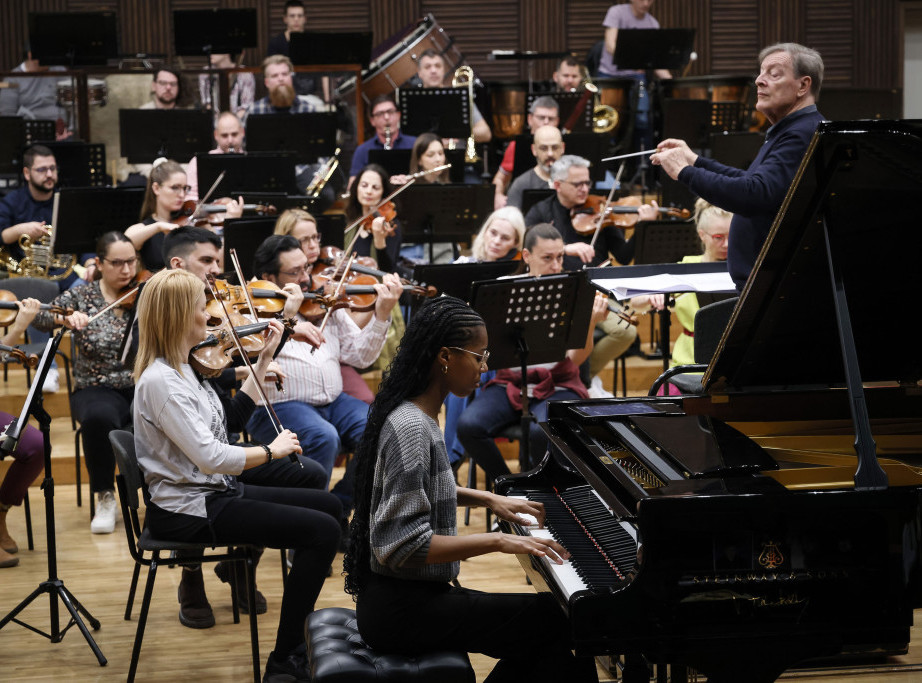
x=53, y=586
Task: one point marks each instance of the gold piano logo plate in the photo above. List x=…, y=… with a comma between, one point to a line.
x=771, y=556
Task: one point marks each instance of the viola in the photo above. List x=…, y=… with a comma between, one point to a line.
x=622, y=213
x=28, y=360
x=9, y=308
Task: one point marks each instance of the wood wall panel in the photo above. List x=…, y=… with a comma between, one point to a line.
x=859, y=39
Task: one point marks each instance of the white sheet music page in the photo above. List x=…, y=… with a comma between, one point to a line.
x=625, y=288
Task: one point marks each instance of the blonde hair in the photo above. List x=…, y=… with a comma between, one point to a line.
x=509, y=213
x=705, y=214
x=277, y=59
x=286, y=222
x=166, y=314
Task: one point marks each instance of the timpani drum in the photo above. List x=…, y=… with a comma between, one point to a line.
x=96, y=91
x=507, y=102
x=397, y=64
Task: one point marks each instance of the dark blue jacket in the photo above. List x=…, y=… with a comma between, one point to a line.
x=754, y=195
x=19, y=207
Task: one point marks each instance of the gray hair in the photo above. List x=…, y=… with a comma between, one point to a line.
x=806, y=62
x=545, y=102
x=562, y=166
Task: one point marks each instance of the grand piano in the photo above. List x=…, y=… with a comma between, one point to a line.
x=778, y=516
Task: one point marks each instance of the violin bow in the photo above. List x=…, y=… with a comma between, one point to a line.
x=611, y=193
x=336, y=292
x=273, y=418
x=113, y=304
x=249, y=300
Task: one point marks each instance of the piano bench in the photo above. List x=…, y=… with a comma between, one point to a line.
x=336, y=653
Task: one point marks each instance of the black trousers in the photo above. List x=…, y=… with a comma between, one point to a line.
x=527, y=632
x=302, y=519
x=99, y=410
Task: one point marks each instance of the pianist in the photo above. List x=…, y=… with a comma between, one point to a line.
x=404, y=549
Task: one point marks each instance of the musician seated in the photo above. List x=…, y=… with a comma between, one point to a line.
x=544, y=111
x=29, y=454
x=498, y=405
x=280, y=44
x=499, y=238
x=547, y=147
x=33, y=97
x=282, y=98
x=229, y=136
x=165, y=89
x=431, y=71
x=190, y=469
x=405, y=551
x=313, y=404
x=713, y=229
x=242, y=86
x=385, y=119
x=160, y=212
x=428, y=153
x=568, y=75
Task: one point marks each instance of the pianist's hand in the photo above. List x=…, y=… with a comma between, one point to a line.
x=510, y=509
x=532, y=545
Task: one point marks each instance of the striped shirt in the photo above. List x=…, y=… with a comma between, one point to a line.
x=315, y=378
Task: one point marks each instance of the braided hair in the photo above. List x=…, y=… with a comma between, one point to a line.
x=444, y=321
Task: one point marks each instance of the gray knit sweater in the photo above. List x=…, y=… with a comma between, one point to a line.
x=413, y=497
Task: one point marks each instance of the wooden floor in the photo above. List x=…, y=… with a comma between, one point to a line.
x=97, y=570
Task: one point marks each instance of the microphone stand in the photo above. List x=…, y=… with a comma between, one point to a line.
x=53, y=585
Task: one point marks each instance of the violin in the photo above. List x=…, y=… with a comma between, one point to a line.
x=219, y=351
x=622, y=213
x=332, y=256
x=9, y=308
x=357, y=293
x=28, y=360
x=385, y=210
x=268, y=299
x=205, y=215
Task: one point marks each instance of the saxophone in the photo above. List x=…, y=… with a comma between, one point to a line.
x=38, y=258
x=464, y=77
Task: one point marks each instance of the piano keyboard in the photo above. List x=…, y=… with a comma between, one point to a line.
x=602, y=550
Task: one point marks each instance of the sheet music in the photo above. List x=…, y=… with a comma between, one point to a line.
x=625, y=288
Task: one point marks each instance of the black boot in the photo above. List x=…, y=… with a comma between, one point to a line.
x=194, y=610
x=235, y=574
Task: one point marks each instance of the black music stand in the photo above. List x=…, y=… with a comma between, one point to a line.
x=443, y=111
x=397, y=161
x=443, y=213
x=53, y=585
x=533, y=320
x=245, y=235
x=455, y=279
x=78, y=222
x=315, y=47
x=245, y=173
x=40, y=130
x=566, y=105
x=532, y=197
x=73, y=38
x=332, y=229
x=80, y=164
x=309, y=135
x=146, y=134
x=12, y=142
x=586, y=145
x=199, y=32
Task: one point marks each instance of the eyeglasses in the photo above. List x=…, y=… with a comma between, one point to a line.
x=42, y=170
x=310, y=238
x=120, y=263
x=167, y=84
x=719, y=237
x=386, y=112
x=178, y=189
x=482, y=357
x=297, y=272
x=582, y=183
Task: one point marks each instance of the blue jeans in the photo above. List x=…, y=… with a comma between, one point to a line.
x=322, y=430
x=485, y=418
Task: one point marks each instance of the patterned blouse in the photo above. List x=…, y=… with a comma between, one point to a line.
x=97, y=362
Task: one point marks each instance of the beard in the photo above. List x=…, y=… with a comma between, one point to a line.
x=282, y=97
x=41, y=188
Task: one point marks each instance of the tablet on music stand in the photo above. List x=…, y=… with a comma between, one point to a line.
x=315, y=47
x=310, y=136
x=245, y=173
x=73, y=38
x=78, y=221
x=654, y=48
x=214, y=31
x=443, y=111
x=146, y=134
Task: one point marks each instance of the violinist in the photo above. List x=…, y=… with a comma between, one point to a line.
x=28, y=458
x=499, y=239
x=104, y=389
x=314, y=406
x=383, y=239
x=163, y=201
x=547, y=147
x=190, y=468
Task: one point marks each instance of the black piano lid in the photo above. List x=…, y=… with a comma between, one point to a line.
x=863, y=178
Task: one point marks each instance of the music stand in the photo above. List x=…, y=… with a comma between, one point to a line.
x=73, y=38
x=332, y=229
x=735, y=149
x=443, y=213
x=53, y=585
x=315, y=47
x=245, y=235
x=443, y=111
x=532, y=197
x=533, y=320
x=688, y=120
x=199, y=32
x=145, y=134
x=80, y=164
x=586, y=145
x=78, y=222
x=455, y=279
x=566, y=104
x=12, y=142
x=40, y=130
x=309, y=135
x=254, y=172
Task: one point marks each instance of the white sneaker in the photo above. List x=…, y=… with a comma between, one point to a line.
x=104, y=519
x=596, y=390
x=52, y=382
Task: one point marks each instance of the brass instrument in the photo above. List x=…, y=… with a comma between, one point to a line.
x=38, y=258
x=464, y=77
x=323, y=175
x=604, y=117
x=387, y=136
